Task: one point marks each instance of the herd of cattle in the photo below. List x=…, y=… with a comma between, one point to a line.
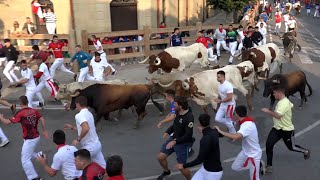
x=257, y=63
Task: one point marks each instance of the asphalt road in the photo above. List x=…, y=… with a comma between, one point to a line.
x=139, y=147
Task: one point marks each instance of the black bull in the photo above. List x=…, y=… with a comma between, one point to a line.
x=292, y=82
x=106, y=98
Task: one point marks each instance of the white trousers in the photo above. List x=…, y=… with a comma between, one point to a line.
x=49, y=85
x=224, y=116
x=8, y=71
x=285, y=27
x=59, y=63
x=83, y=74
x=203, y=174
x=104, y=60
x=92, y=78
x=30, y=93
x=3, y=137
x=27, y=152
x=3, y=60
x=243, y=162
x=96, y=153
x=316, y=13
x=233, y=49
x=308, y=11
x=264, y=40
x=277, y=28
x=51, y=28
x=224, y=45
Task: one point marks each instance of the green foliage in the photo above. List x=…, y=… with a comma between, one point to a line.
x=228, y=5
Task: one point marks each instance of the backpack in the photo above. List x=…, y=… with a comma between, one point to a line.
x=34, y=9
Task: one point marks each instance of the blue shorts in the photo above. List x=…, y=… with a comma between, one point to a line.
x=181, y=150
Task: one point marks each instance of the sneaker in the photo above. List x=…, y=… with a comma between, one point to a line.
x=13, y=108
x=38, y=178
x=269, y=169
x=230, y=63
x=190, y=152
x=75, y=77
x=262, y=168
x=41, y=104
x=4, y=143
x=306, y=155
x=218, y=57
x=163, y=175
x=114, y=72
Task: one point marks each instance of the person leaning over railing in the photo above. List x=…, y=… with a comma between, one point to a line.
x=17, y=31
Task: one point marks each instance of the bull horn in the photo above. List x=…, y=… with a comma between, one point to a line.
x=142, y=62
x=157, y=62
x=185, y=86
x=77, y=93
x=162, y=85
x=253, y=54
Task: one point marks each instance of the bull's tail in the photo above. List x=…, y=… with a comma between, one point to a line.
x=161, y=108
x=310, y=89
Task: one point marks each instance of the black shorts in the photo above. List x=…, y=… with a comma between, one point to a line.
x=181, y=150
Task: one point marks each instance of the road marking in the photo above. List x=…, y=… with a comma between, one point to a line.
x=270, y=33
x=232, y=159
x=317, y=52
x=304, y=57
x=308, y=31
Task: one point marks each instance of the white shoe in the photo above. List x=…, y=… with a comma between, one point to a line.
x=4, y=143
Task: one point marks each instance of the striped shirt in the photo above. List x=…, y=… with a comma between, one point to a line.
x=50, y=17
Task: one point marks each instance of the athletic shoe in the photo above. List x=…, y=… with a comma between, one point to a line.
x=163, y=175
x=13, y=108
x=114, y=72
x=262, y=168
x=190, y=152
x=75, y=77
x=4, y=143
x=230, y=63
x=269, y=169
x=307, y=155
x=41, y=104
x=38, y=178
x=218, y=58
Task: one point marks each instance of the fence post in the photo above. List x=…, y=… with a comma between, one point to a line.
x=199, y=26
x=72, y=45
x=146, y=38
x=84, y=39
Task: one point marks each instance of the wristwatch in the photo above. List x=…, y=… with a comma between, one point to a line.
x=78, y=139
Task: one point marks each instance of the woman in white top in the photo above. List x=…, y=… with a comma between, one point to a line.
x=17, y=31
x=50, y=21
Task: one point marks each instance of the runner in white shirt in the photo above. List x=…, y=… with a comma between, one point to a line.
x=292, y=23
x=286, y=17
x=240, y=45
x=250, y=156
x=227, y=102
x=45, y=79
x=263, y=31
x=28, y=81
x=97, y=44
x=261, y=21
x=99, y=70
x=63, y=160
x=87, y=135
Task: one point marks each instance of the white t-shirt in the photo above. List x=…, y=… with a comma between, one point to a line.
x=97, y=45
x=98, y=69
x=27, y=74
x=286, y=17
x=225, y=89
x=264, y=24
x=91, y=138
x=292, y=23
x=250, y=141
x=263, y=31
x=64, y=160
x=241, y=35
x=46, y=74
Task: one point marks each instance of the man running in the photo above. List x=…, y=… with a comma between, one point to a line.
x=87, y=135
x=99, y=70
x=56, y=46
x=256, y=37
x=286, y=18
x=82, y=59
x=277, y=16
x=292, y=23
x=37, y=54
x=232, y=36
x=209, y=153
x=226, y=100
x=263, y=31
x=250, y=156
x=28, y=118
x=282, y=128
x=221, y=34
x=204, y=40
x=12, y=56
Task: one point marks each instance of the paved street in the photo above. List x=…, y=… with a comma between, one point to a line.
x=140, y=147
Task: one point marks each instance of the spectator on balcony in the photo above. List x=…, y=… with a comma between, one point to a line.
x=36, y=9
x=17, y=31
x=31, y=29
x=50, y=20
x=175, y=39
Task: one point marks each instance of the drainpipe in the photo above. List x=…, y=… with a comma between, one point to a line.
x=73, y=25
x=158, y=12
x=178, y=13
x=187, y=12
x=164, y=11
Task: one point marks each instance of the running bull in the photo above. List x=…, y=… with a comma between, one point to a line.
x=293, y=82
x=265, y=58
x=203, y=87
x=178, y=58
x=105, y=98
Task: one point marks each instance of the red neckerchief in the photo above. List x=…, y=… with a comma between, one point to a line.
x=95, y=41
x=60, y=145
x=246, y=119
x=220, y=29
